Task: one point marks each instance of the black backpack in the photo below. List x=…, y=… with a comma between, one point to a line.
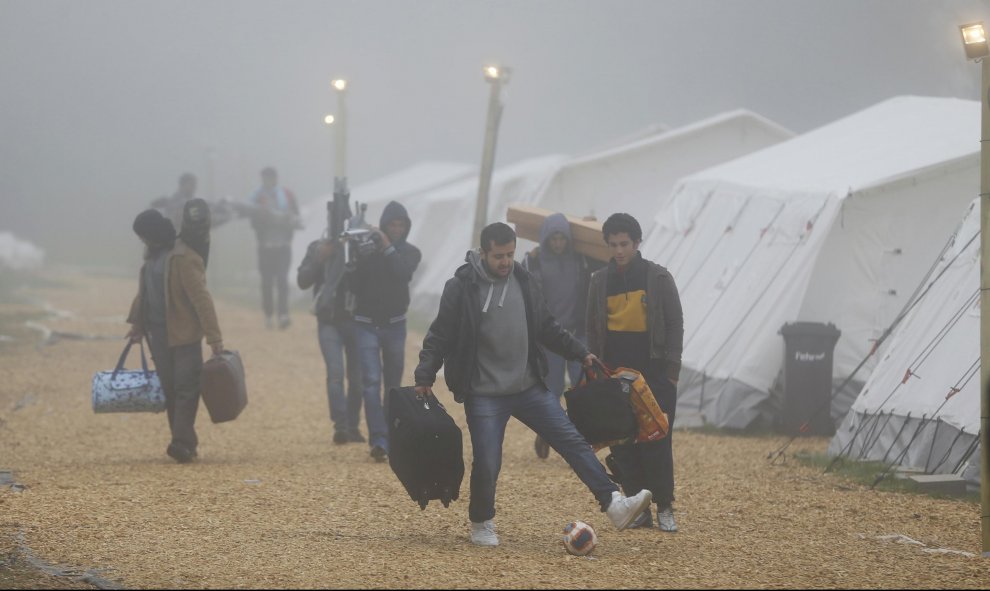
x=600, y=409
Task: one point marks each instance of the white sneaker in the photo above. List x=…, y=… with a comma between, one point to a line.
x=483, y=534
x=665, y=520
x=623, y=510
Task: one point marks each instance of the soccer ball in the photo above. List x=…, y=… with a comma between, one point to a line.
x=579, y=538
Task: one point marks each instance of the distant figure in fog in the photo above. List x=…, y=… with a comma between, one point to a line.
x=274, y=217
x=173, y=206
x=174, y=311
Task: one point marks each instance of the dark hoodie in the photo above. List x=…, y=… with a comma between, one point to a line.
x=563, y=278
x=381, y=280
x=196, y=228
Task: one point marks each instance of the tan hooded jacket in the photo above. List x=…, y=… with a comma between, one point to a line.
x=189, y=311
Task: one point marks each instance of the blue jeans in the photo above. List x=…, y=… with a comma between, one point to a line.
x=539, y=410
x=557, y=366
x=337, y=343
x=382, y=350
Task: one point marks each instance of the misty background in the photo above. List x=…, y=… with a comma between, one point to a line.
x=105, y=103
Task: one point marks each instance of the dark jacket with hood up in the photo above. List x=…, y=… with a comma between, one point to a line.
x=452, y=340
x=381, y=280
x=563, y=278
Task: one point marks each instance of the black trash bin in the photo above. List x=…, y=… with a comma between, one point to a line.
x=808, y=350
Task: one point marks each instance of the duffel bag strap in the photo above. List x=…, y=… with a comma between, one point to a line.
x=123, y=358
x=599, y=371
x=144, y=361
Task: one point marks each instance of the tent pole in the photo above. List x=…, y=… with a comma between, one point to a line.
x=985, y=305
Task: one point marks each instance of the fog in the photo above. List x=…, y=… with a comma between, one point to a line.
x=105, y=103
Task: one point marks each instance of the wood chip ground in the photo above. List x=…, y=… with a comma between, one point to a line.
x=273, y=503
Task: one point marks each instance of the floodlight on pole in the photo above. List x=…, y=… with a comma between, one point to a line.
x=340, y=122
x=497, y=76
x=975, y=44
x=974, y=38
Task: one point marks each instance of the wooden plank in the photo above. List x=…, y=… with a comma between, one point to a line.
x=585, y=234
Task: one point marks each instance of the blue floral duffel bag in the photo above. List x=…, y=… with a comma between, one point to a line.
x=123, y=390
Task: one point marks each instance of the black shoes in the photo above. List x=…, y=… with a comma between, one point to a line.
x=542, y=448
x=378, y=452
x=356, y=437
x=340, y=437
x=180, y=453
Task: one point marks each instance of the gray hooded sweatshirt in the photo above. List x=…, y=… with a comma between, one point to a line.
x=503, y=340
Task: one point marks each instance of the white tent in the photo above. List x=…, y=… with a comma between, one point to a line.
x=921, y=405
x=637, y=175
x=837, y=225
x=19, y=254
x=403, y=185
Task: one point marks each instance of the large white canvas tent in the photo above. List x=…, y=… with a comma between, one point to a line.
x=920, y=408
x=837, y=225
x=636, y=176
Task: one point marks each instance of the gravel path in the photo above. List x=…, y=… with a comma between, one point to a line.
x=273, y=503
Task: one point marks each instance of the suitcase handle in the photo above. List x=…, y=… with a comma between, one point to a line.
x=123, y=358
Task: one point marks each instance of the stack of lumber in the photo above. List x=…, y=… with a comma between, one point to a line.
x=586, y=235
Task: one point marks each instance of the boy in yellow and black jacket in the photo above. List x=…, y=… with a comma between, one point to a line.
x=634, y=320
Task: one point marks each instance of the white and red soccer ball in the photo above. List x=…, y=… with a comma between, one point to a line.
x=579, y=538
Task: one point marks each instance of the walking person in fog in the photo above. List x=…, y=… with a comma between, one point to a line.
x=174, y=311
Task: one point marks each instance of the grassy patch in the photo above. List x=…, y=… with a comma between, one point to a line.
x=866, y=474
x=751, y=432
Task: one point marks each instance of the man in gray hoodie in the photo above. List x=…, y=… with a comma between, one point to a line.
x=489, y=336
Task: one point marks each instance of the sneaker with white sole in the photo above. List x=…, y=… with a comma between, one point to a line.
x=483, y=534
x=665, y=519
x=623, y=510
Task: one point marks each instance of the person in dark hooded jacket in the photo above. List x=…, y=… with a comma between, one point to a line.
x=563, y=275
x=381, y=289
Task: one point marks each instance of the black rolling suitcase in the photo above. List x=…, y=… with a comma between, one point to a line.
x=425, y=447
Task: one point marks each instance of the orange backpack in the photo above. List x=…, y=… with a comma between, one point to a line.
x=653, y=423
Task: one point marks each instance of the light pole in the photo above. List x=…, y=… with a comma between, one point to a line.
x=340, y=151
x=975, y=43
x=496, y=76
